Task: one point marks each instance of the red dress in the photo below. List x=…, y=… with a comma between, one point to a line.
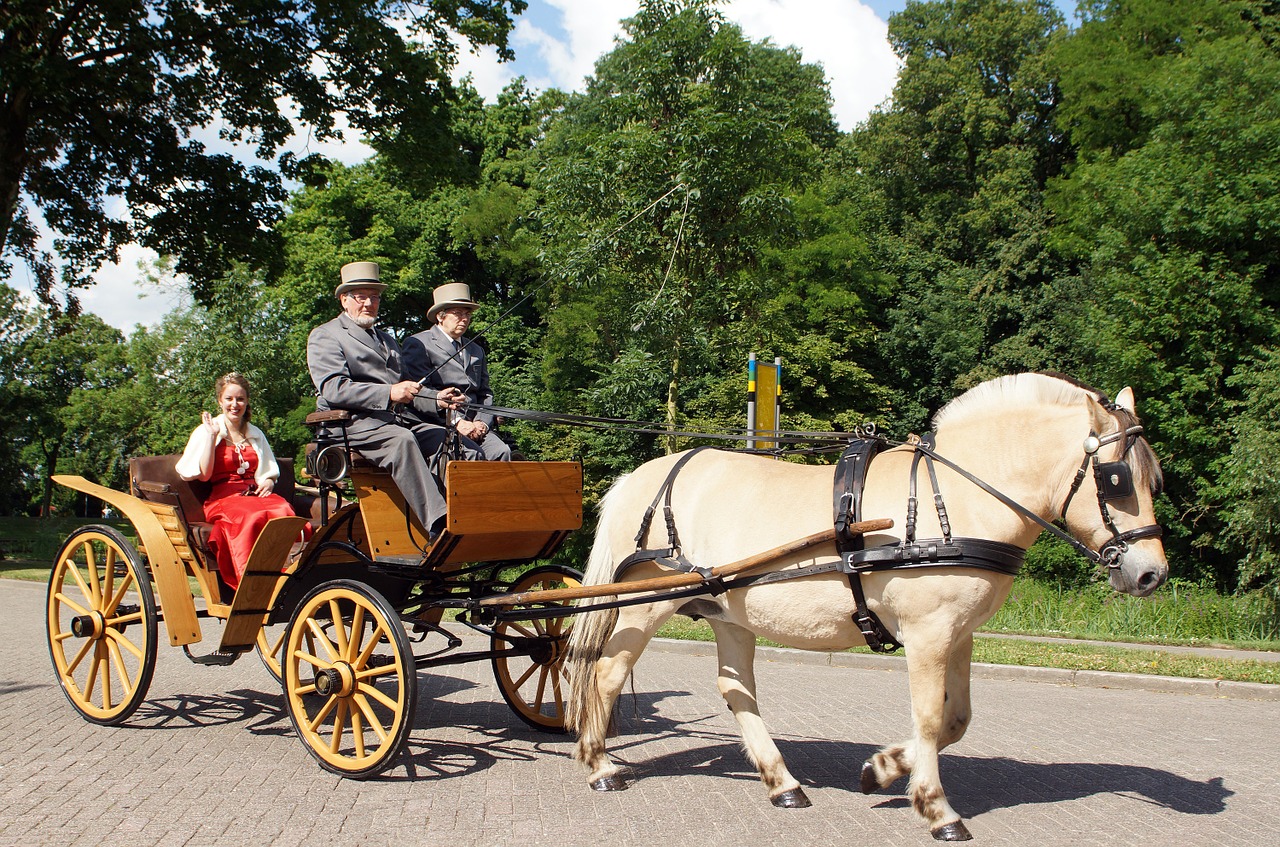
x=238, y=519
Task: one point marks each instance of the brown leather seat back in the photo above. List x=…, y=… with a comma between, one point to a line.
x=189, y=496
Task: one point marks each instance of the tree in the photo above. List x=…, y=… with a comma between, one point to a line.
x=116, y=104
x=947, y=181
x=1174, y=225
x=663, y=184
x=57, y=358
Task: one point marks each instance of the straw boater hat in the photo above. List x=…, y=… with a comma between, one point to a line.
x=359, y=275
x=449, y=296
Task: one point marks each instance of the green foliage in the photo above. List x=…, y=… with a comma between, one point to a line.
x=1173, y=225
x=1250, y=484
x=107, y=102
x=663, y=186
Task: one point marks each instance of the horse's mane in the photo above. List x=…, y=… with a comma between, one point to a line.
x=1047, y=388
x=1015, y=390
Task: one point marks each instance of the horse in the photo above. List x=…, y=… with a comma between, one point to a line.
x=1030, y=436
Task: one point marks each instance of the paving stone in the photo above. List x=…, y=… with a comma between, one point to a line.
x=210, y=759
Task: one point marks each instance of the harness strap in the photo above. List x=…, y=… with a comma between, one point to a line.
x=935, y=552
x=851, y=476
x=673, y=539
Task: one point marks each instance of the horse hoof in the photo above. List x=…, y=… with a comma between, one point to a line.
x=868, y=782
x=793, y=799
x=609, y=783
x=952, y=832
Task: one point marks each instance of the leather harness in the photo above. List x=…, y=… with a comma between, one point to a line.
x=855, y=558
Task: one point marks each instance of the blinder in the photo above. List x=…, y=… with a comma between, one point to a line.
x=1115, y=480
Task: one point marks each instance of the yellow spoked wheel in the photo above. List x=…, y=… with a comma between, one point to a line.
x=101, y=624
x=528, y=669
x=350, y=682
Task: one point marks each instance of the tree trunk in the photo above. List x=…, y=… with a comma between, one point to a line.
x=673, y=395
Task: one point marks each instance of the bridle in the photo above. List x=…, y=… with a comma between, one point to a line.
x=1114, y=481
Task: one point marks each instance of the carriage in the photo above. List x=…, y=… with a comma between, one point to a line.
x=336, y=618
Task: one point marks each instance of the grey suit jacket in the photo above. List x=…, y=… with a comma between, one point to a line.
x=431, y=354
x=354, y=369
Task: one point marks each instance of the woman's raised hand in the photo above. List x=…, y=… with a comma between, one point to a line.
x=206, y=420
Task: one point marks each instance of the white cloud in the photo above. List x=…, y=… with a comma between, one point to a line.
x=121, y=298
x=560, y=48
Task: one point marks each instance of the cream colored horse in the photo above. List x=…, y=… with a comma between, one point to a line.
x=1025, y=435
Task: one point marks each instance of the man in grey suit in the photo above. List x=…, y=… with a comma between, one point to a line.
x=445, y=358
x=395, y=422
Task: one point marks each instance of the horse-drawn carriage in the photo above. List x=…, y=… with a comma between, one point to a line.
x=335, y=618
x=756, y=554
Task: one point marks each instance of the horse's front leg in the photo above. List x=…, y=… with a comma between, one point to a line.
x=938, y=722
x=736, y=650
x=632, y=632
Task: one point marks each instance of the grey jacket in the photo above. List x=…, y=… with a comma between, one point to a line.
x=353, y=369
x=431, y=354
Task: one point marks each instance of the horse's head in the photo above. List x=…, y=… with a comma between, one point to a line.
x=1117, y=480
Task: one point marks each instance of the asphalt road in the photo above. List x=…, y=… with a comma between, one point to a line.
x=210, y=759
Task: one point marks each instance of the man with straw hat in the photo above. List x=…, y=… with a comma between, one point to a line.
x=443, y=357
x=395, y=422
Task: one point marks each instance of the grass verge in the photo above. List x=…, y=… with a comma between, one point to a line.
x=1003, y=651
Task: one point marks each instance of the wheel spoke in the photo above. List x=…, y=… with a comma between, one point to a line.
x=95, y=588
x=320, y=635
x=363, y=659
x=117, y=659
x=104, y=673
x=119, y=595
x=377, y=694
x=524, y=677
x=357, y=627
x=339, y=726
x=374, y=724
x=75, y=607
x=518, y=627
x=314, y=724
x=74, y=570
x=108, y=577
x=339, y=628
x=357, y=733
x=84, y=651
x=120, y=639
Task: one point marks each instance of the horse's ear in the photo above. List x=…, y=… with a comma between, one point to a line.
x=1125, y=400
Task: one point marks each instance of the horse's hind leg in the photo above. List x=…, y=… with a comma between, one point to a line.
x=633, y=630
x=736, y=649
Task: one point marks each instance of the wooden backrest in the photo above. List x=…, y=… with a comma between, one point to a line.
x=497, y=511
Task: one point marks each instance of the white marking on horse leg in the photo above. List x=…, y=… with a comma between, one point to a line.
x=927, y=665
x=736, y=650
x=889, y=765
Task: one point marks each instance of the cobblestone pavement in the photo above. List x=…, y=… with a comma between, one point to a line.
x=210, y=759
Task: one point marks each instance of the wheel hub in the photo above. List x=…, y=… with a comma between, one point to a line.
x=88, y=626
x=337, y=681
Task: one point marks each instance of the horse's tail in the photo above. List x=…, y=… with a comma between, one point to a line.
x=584, y=711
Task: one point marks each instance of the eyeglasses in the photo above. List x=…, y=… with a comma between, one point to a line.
x=364, y=298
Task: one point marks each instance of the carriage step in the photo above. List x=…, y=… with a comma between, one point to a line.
x=219, y=659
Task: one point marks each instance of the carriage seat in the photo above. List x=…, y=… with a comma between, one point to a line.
x=155, y=479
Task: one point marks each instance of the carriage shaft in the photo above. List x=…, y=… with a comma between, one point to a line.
x=680, y=580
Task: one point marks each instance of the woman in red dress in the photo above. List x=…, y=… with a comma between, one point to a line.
x=233, y=454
